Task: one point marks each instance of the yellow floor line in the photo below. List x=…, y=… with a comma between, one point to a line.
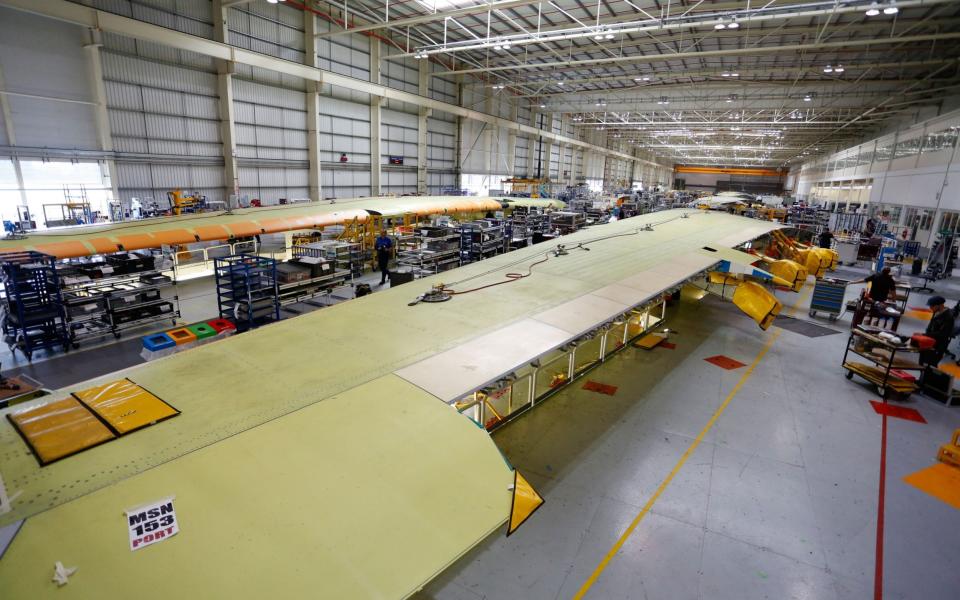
x=683, y=460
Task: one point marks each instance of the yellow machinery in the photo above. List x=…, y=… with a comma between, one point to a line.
x=527, y=184
x=181, y=203
x=816, y=260
x=950, y=452
x=792, y=273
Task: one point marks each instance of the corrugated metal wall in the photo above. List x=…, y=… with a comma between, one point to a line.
x=163, y=109
x=42, y=57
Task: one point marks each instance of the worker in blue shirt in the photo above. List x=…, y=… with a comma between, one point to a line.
x=383, y=245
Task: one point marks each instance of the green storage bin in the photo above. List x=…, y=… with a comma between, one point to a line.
x=202, y=330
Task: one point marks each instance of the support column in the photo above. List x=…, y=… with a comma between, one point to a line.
x=512, y=142
x=458, y=142
x=489, y=138
x=375, y=102
x=422, y=124
x=533, y=156
x=547, y=147
x=11, y=137
x=313, y=108
x=228, y=134
x=101, y=118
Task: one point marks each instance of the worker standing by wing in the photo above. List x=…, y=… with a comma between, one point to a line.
x=383, y=245
x=940, y=329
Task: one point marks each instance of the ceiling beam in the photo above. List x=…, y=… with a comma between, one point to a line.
x=427, y=18
x=708, y=53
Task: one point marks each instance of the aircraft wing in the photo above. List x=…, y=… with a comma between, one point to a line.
x=83, y=240
x=320, y=455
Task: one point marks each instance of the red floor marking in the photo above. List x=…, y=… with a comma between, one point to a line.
x=668, y=345
x=601, y=388
x=878, y=573
x=900, y=412
x=725, y=362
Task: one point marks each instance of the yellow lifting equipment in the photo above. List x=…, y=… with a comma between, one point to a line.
x=816, y=260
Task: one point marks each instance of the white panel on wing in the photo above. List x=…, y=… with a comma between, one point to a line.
x=624, y=294
x=582, y=314
x=450, y=375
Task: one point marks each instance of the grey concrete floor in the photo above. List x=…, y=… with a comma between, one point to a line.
x=778, y=501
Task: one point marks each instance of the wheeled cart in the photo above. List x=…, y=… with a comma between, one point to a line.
x=828, y=297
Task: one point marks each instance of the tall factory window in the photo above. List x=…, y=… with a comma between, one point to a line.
x=59, y=192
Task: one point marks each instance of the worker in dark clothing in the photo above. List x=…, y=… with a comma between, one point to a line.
x=383, y=245
x=940, y=329
x=825, y=238
x=882, y=285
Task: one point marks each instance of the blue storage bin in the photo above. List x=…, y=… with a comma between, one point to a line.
x=158, y=341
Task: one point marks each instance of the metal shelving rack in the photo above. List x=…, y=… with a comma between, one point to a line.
x=345, y=256
x=112, y=304
x=35, y=315
x=247, y=290
x=480, y=240
x=437, y=249
x=528, y=226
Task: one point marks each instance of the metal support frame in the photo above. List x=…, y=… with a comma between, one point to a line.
x=228, y=133
x=547, y=147
x=313, y=107
x=512, y=142
x=375, y=120
x=423, y=119
x=101, y=117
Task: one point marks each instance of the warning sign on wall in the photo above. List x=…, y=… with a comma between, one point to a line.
x=151, y=523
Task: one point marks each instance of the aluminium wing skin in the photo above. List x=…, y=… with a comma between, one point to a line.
x=318, y=455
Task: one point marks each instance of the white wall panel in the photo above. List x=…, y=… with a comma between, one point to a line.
x=45, y=58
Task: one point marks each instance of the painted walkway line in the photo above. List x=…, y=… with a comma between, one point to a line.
x=676, y=469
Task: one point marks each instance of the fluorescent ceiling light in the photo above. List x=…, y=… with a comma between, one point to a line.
x=838, y=69
x=891, y=10
x=828, y=69
x=873, y=11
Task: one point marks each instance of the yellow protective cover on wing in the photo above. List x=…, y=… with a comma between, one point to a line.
x=58, y=429
x=790, y=271
x=753, y=299
x=125, y=406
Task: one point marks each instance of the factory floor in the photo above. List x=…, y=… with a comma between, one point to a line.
x=694, y=481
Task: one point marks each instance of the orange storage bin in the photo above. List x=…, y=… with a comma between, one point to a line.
x=182, y=335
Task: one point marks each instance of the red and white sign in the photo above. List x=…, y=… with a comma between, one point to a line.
x=151, y=523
